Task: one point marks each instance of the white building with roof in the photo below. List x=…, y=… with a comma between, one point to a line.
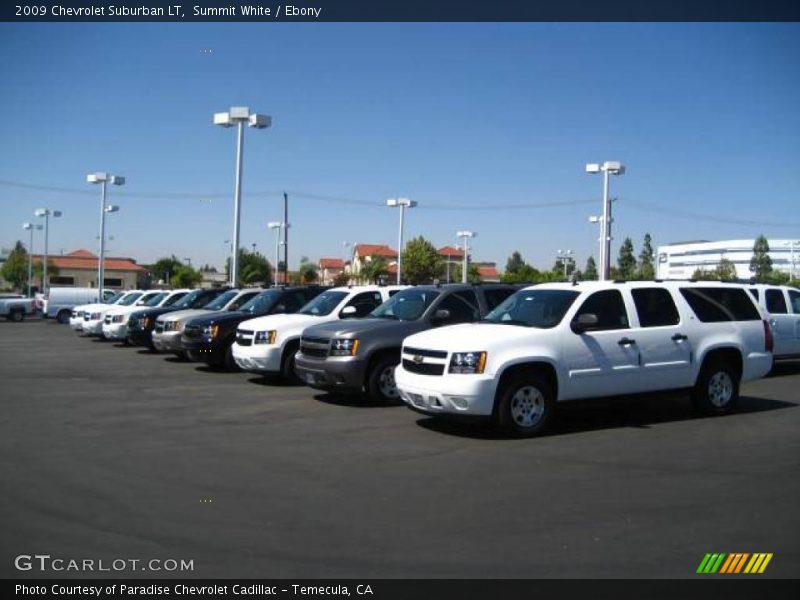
x=680, y=260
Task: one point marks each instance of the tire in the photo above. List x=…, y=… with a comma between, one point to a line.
x=181, y=355
x=717, y=388
x=287, y=365
x=380, y=381
x=525, y=406
x=16, y=316
x=63, y=316
x=228, y=363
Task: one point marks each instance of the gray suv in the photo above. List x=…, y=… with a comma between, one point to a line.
x=356, y=355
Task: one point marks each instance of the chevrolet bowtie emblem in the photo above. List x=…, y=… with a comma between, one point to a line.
x=417, y=358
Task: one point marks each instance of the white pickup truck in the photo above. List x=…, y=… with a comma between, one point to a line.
x=14, y=307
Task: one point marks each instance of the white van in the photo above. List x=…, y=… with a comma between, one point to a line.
x=60, y=301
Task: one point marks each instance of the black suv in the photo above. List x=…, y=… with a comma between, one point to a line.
x=209, y=338
x=142, y=322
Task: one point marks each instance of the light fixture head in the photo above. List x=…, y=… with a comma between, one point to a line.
x=41, y=212
x=467, y=234
x=223, y=119
x=57, y=213
x=27, y=226
x=98, y=177
x=259, y=121
x=239, y=112
x=614, y=167
x=111, y=208
x=117, y=180
x=275, y=224
x=592, y=168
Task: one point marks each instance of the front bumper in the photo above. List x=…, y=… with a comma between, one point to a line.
x=115, y=331
x=447, y=394
x=168, y=341
x=139, y=336
x=76, y=323
x=260, y=358
x=93, y=327
x=345, y=373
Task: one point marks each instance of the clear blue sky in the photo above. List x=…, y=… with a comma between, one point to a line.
x=705, y=116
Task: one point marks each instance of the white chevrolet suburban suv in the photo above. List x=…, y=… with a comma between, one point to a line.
x=268, y=344
x=558, y=342
x=781, y=303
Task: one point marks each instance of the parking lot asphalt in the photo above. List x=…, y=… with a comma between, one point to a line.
x=111, y=452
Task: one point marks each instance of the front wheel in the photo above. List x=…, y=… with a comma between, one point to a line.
x=16, y=316
x=526, y=406
x=717, y=388
x=287, y=367
x=63, y=317
x=380, y=381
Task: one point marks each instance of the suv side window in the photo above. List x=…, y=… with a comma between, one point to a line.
x=495, y=296
x=794, y=300
x=609, y=307
x=294, y=301
x=754, y=293
x=463, y=307
x=776, y=303
x=365, y=303
x=714, y=305
x=655, y=307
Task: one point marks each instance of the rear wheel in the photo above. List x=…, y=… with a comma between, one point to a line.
x=717, y=388
x=16, y=315
x=63, y=316
x=380, y=381
x=526, y=406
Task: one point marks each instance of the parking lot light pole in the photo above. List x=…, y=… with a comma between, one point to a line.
x=30, y=227
x=402, y=203
x=565, y=256
x=103, y=179
x=277, y=226
x=607, y=168
x=791, y=244
x=239, y=115
x=46, y=213
x=466, y=235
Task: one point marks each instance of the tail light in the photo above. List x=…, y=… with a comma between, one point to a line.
x=769, y=340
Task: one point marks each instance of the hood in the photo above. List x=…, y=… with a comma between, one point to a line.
x=468, y=337
x=281, y=321
x=122, y=310
x=92, y=307
x=352, y=327
x=222, y=316
x=182, y=315
x=153, y=312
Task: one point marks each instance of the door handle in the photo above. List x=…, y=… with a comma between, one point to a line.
x=679, y=337
x=626, y=342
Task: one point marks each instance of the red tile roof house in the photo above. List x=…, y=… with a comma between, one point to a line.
x=364, y=253
x=452, y=256
x=79, y=269
x=329, y=268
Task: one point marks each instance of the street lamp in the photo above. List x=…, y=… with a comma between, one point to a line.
x=402, y=203
x=239, y=115
x=565, y=256
x=30, y=227
x=46, y=213
x=610, y=167
x=791, y=244
x=277, y=226
x=104, y=179
x=466, y=235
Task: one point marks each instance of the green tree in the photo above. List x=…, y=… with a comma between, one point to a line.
x=647, y=269
x=590, y=272
x=307, y=271
x=15, y=269
x=185, y=276
x=626, y=261
x=421, y=262
x=761, y=263
x=341, y=279
x=253, y=268
x=515, y=264
x=165, y=267
x=374, y=269
x=473, y=275
x=726, y=270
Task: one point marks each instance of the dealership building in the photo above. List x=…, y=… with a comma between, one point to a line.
x=682, y=259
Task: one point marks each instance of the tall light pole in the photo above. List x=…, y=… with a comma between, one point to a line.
x=30, y=227
x=239, y=115
x=791, y=244
x=46, y=213
x=610, y=167
x=402, y=203
x=277, y=226
x=466, y=235
x=103, y=179
x=565, y=256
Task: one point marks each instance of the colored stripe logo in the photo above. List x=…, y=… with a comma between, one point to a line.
x=735, y=563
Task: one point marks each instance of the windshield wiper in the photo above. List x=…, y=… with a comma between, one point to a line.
x=508, y=322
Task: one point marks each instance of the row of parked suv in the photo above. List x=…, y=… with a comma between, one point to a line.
x=509, y=353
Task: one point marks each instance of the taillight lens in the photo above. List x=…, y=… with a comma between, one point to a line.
x=769, y=340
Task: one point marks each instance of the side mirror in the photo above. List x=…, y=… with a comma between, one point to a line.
x=348, y=311
x=441, y=315
x=584, y=323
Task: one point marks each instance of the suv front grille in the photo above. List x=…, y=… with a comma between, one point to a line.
x=159, y=328
x=244, y=337
x=107, y=320
x=423, y=368
x=314, y=346
x=428, y=353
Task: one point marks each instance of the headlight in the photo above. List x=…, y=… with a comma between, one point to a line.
x=118, y=318
x=341, y=347
x=265, y=337
x=172, y=326
x=211, y=331
x=468, y=362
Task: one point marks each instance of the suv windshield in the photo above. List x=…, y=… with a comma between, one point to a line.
x=323, y=304
x=220, y=301
x=408, y=305
x=114, y=298
x=188, y=299
x=155, y=299
x=261, y=303
x=130, y=299
x=533, y=308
